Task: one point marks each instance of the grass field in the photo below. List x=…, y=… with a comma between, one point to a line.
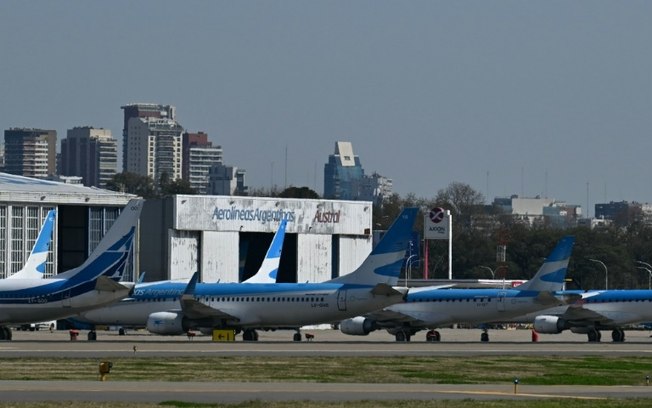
x=629, y=403
x=585, y=370
x=429, y=370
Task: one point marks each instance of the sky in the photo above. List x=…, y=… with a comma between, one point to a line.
x=549, y=98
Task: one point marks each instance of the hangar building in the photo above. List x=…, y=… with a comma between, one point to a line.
x=223, y=237
x=226, y=237
x=84, y=214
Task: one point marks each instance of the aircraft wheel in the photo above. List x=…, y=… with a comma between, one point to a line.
x=297, y=337
x=400, y=336
x=618, y=335
x=433, y=335
x=5, y=333
x=484, y=337
x=249, y=335
x=594, y=336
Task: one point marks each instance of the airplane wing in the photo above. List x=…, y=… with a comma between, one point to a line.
x=198, y=310
x=390, y=318
x=195, y=309
x=577, y=313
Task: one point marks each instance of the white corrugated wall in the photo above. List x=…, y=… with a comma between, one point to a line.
x=353, y=251
x=314, y=258
x=183, y=253
x=220, y=256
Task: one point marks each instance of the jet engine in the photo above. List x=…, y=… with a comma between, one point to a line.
x=549, y=324
x=168, y=323
x=357, y=326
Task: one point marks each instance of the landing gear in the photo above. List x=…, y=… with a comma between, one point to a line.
x=403, y=336
x=5, y=333
x=433, y=335
x=594, y=336
x=484, y=337
x=618, y=335
x=250, y=335
x=297, y=336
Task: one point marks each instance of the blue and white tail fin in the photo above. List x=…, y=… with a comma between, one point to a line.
x=35, y=266
x=269, y=269
x=384, y=263
x=111, y=255
x=552, y=273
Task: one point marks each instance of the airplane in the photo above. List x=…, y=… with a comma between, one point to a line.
x=595, y=310
x=432, y=307
x=150, y=297
x=34, y=268
x=90, y=285
x=249, y=306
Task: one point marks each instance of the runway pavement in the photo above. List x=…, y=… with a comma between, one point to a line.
x=231, y=392
x=462, y=342
x=455, y=342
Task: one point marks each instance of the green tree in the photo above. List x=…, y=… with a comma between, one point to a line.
x=132, y=183
x=299, y=192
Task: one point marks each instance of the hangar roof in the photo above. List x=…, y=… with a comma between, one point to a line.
x=15, y=188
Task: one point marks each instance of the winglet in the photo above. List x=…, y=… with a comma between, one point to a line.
x=141, y=278
x=190, y=289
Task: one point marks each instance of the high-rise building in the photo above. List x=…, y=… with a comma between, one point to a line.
x=91, y=153
x=31, y=152
x=154, y=148
x=343, y=174
x=141, y=110
x=226, y=180
x=198, y=156
x=376, y=188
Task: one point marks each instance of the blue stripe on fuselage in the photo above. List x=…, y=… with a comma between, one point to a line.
x=167, y=289
x=63, y=289
x=623, y=295
x=463, y=294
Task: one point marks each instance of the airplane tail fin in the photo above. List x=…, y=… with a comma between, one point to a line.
x=35, y=266
x=552, y=273
x=110, y=257
x=269, y=269
x=384, y=263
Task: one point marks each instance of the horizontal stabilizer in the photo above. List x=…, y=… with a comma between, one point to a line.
x=106, y=284
x=547, y=298
x=382, y=289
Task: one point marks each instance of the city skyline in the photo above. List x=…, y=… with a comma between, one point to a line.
x=529, y=98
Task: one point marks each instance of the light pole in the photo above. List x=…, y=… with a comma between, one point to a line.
x=492, y=271
x=408, y=263
x=606, y=272
x=648, y=268
x=649, y=271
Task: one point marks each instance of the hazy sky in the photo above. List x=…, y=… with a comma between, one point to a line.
x=511, y=97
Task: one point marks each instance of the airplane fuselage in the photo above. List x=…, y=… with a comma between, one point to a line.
x=605, y=310
x=250, y=305
x=435, y=308
x=33, y=300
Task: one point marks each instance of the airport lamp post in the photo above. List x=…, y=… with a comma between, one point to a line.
x=649, y=271
x=492, y=271
x=408, y=271
x=648, y=268
x=606, y=272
